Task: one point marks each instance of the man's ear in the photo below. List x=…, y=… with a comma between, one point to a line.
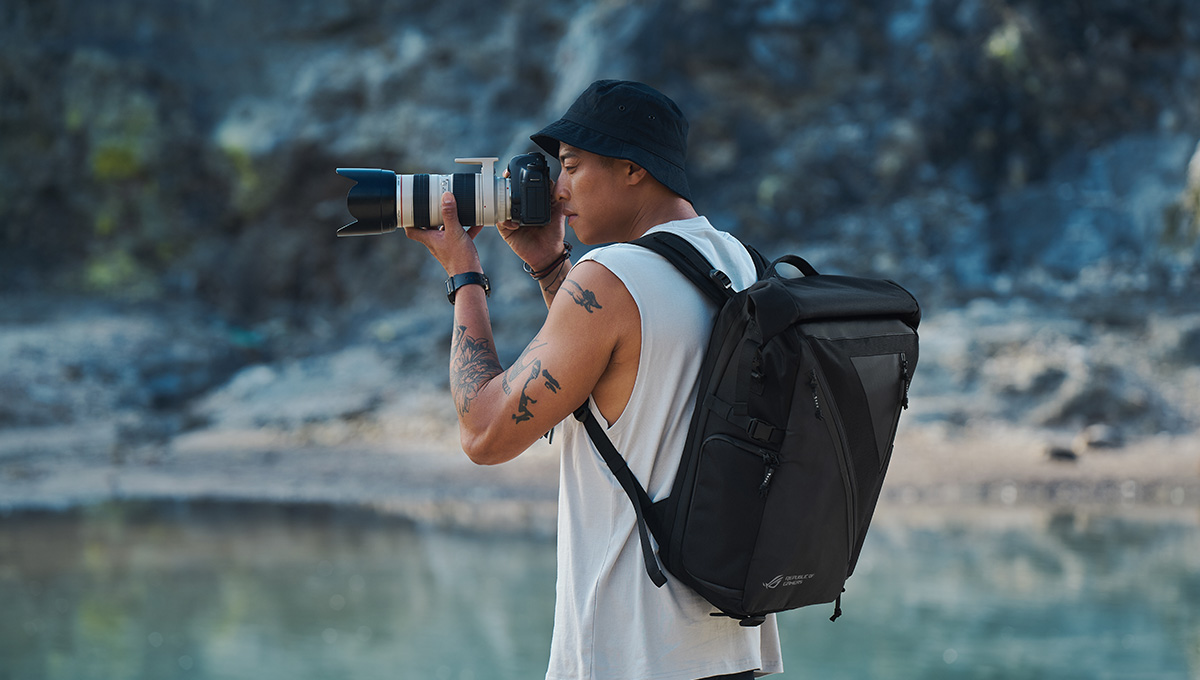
x=634, y=173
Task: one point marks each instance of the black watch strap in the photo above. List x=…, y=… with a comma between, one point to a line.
x=465, y=279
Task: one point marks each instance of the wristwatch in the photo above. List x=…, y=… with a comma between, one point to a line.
x=465, y=279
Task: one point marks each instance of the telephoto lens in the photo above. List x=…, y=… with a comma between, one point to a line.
x=382, y=201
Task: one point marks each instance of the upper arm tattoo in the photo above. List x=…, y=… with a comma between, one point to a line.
x=582, y=296
x=528, y=368
x=473, y=362
x=523, y=362
x=523, y=413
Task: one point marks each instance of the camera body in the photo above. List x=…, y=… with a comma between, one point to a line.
x=383, y=201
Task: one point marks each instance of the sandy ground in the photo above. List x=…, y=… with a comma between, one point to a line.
x=370, y=424
x=430, y=481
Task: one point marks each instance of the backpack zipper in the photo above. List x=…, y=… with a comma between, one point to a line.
x=834, y=424
x=812, y=383
x=770, y=459
x=906, y=379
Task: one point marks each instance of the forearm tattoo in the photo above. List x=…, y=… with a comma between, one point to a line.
x=473, y=362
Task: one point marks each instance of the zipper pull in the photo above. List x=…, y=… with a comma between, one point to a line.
x=812, y=382
x=772, y=463
x=906, y=380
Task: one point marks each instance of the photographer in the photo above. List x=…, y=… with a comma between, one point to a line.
x=626, y=333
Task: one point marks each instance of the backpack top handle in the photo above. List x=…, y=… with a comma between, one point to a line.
x=795, y=261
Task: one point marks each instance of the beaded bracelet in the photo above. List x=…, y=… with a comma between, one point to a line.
x=541, y=274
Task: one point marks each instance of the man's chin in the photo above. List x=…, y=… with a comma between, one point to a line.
x=573, y=224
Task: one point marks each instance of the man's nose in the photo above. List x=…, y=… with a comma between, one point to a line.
x=561, y=191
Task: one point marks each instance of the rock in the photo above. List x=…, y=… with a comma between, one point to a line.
x=1106, y=393
x=341, y=386
x=1027, y=171
x=1061, y=454
x=968, y=148
x=1183, y=217
x=1013, y=363
x=1098, y=436
x=1187, y=350
x=75, y=362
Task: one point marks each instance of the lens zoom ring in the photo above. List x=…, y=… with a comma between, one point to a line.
x=420, y=201
x=463, y=186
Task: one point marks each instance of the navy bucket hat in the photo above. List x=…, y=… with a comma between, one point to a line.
x=628, y=120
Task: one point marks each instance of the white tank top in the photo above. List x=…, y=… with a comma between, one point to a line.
x=610, y=621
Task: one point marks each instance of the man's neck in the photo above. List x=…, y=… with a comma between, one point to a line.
x=660, y=212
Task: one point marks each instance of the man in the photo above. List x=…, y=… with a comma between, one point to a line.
x=626, y=333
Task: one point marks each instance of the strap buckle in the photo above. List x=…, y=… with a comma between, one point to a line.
x=761, y=430
x=720, y=278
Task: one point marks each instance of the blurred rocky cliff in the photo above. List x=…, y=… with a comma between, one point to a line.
x=1000, y=158
x=974, y=147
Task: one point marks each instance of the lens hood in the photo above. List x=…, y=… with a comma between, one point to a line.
x=371, y=201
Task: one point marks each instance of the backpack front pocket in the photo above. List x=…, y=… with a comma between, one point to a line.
x=735, y=477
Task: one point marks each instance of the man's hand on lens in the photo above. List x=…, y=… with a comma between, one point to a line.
x=453, y=246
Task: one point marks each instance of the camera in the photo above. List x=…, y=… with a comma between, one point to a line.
x=383, y=201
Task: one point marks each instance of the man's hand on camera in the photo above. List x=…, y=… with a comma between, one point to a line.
x=453, y=246
x=537, y=246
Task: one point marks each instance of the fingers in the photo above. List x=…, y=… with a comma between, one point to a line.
x=450, y=212
x=447, y=234
x=452, y=246
x=449, y=219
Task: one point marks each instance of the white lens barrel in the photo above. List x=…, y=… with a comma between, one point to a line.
x=482, y=198
x=418, y=201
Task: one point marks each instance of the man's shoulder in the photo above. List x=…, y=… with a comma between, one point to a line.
x=722, y=249
x=692, y=229
x=614, y=252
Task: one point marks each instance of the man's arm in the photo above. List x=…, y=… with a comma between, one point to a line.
x=553, y=281
x=583, y=347
x=502, y=412
x=542, y=244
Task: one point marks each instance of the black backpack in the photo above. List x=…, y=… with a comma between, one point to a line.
x=800, y=392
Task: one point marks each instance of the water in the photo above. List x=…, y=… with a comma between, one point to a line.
x=260, y=592
x=162, y=591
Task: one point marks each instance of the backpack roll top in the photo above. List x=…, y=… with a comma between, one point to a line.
x=817, y=297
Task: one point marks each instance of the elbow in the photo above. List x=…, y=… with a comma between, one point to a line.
x=482, y=456
x=481, y=451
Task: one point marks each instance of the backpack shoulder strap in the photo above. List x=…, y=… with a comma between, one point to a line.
x=633, y=489
x=761, y=264
x=715, y=285
x=712, y=282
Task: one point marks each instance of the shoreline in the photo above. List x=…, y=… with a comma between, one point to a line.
x=432, y=484
x=118, y=402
